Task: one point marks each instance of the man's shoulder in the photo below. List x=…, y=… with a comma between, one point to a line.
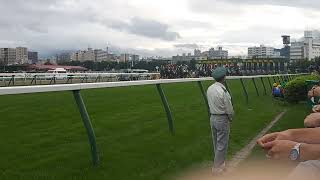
x=215, y=87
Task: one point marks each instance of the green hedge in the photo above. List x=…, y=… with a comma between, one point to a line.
x=296, y=90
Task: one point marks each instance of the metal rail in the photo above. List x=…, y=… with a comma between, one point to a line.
x=75, y=74
x=9, y=79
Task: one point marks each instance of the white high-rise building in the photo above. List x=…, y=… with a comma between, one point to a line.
x=308, y=48
x=22, y=55
x=129, y=57
x=262, y=52
x=8, y=56
x=74, y=56
x=297, y=51
x=219, y=53
x=87, y=55
x=197, y=52
x=101, y=55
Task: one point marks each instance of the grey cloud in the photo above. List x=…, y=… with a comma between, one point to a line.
x=187, y=46
x=290, y=3
x=256, y=35
x=37, y=28
x=39, y=16
x=164, y=52
x=144, y=27
x=73, y=24
x=235, y=6
x=190, y=24
x=45, y=25
x=224, y=8
x=29, y=3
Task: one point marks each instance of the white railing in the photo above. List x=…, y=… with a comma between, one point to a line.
x=82, y=86
x=13, y=79
x=74, y=75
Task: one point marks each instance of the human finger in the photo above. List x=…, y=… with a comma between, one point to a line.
x=267, y=138
x=269, y=145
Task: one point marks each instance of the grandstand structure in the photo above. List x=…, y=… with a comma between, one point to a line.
x=254, y=65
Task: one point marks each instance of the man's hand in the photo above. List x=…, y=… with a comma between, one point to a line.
x=279, y=149
x=284, y=135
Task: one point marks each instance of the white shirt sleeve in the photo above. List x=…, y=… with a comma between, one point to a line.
x=228, y=105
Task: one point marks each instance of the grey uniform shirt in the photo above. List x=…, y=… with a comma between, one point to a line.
x=219, y=100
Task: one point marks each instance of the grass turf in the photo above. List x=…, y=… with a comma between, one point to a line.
x=42, y=135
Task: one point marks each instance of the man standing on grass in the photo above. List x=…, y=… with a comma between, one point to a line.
x=221, y=111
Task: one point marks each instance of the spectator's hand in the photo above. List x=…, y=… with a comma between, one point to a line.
x=311, y=92
x=284, y=135
x=279, y=149
x=314, y=92
x=316, y=109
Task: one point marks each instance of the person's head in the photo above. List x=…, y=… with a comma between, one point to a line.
x=219, y=74
x=275, y=84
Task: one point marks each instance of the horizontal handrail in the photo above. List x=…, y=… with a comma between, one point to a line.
x=74, y=76
x=70, y=74
x=82, y=86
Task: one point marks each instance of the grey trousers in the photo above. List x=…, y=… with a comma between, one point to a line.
x=309, y=170
x=220, y=128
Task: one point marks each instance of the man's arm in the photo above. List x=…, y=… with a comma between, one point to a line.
x=305, y=135
x=280, y=149
x=228, y=106
x=309, y=152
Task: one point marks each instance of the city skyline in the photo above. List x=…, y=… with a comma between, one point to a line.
x=154, y=28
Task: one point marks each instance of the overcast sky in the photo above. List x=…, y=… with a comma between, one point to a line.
x=153, y=27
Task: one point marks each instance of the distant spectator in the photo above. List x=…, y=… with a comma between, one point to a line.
x=276, y=90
